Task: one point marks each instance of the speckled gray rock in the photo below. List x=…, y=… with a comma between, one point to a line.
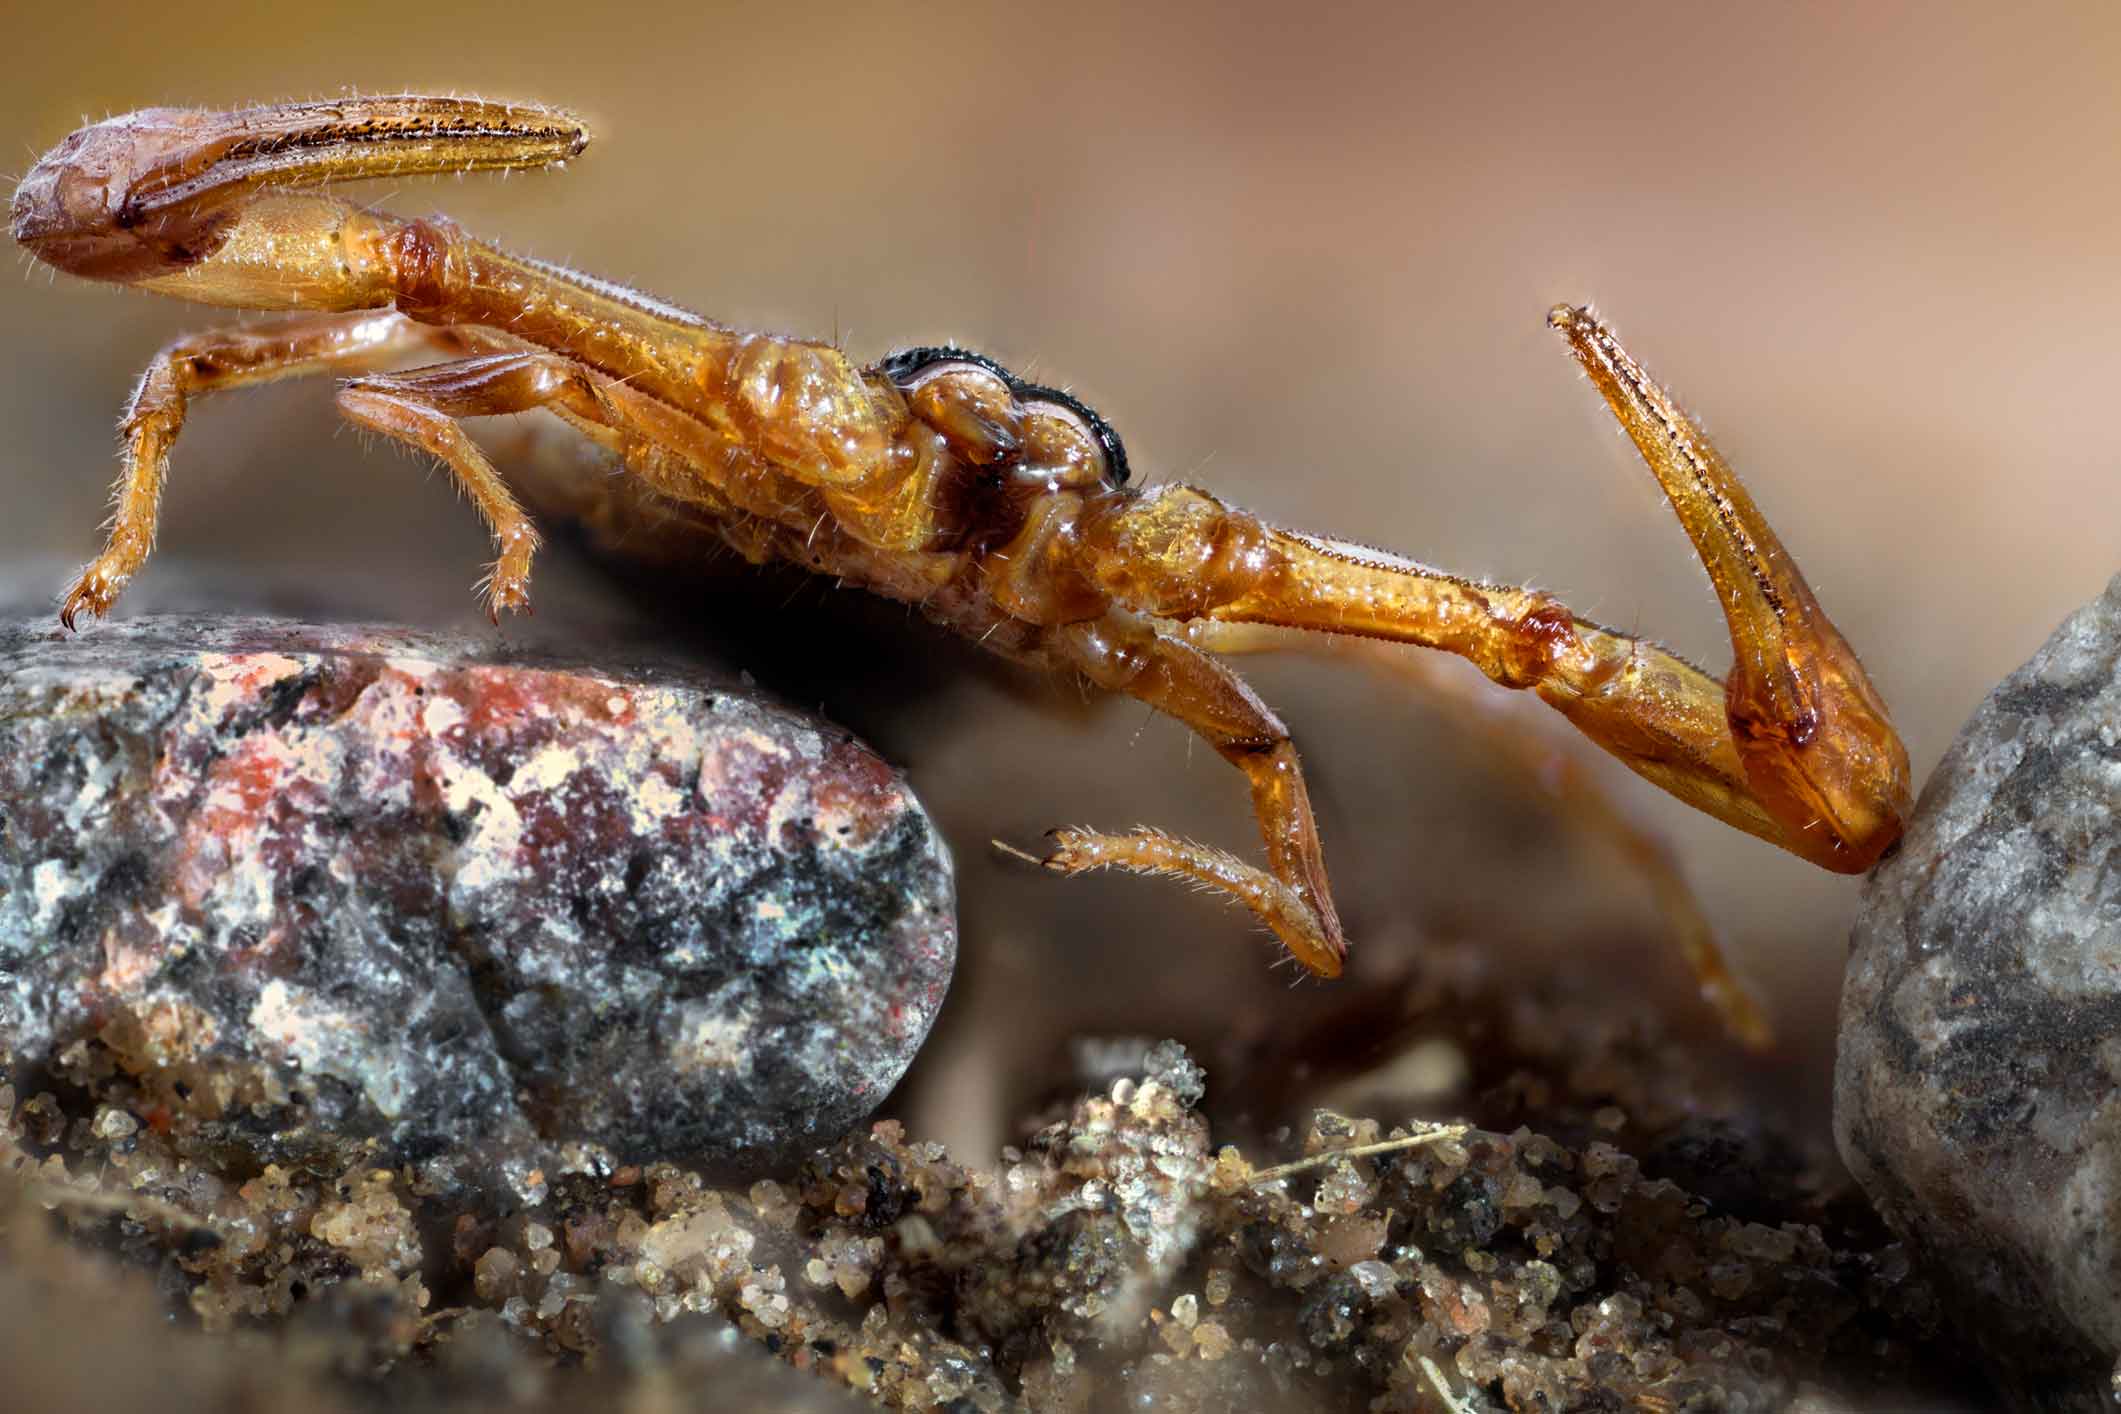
x=1978, y=1087
x=326, y=883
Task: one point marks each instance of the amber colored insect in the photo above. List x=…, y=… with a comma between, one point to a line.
x=933, y=476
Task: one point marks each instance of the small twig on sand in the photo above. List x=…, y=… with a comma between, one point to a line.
x=1457, y=1403
x=1434, y=1135
x=139, y=1206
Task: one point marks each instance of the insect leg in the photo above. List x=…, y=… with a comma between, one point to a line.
x=204, y=363
x=1796, y=748
x=1533, y=747
x=1291, y=896
x=422, y=408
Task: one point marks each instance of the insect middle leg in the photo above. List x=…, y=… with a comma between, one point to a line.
x=205, y=363
x=422, y=408
x=1291, y=896
x=1517, y=740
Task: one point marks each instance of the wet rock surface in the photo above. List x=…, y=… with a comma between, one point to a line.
x=320, y=892
x=1978, y=1088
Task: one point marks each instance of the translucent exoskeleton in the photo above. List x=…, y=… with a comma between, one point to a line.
x=934, y=476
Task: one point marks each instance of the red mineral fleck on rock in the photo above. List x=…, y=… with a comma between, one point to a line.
x=472, y=907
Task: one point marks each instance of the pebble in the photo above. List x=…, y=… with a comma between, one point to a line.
x=1978, y=1085
x=483, y=909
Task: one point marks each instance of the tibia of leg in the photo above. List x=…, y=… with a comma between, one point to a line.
x=1285, y=912
x=204, y=363
x=1123, y=654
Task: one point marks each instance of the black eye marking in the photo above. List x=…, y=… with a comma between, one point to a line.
x=907, y=364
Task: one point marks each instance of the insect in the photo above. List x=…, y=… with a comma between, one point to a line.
x=934, y=476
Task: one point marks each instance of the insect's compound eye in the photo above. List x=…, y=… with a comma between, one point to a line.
x=1062, y=447
x=971, y=405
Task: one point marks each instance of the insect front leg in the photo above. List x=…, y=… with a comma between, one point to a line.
x=1291, y=896
x=204, y=363
x=421, y=408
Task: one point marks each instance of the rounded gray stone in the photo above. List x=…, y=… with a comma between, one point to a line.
x=320, y=883
x=1978, y=1082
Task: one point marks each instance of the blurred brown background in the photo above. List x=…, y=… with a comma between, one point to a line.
x=1298, y=254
